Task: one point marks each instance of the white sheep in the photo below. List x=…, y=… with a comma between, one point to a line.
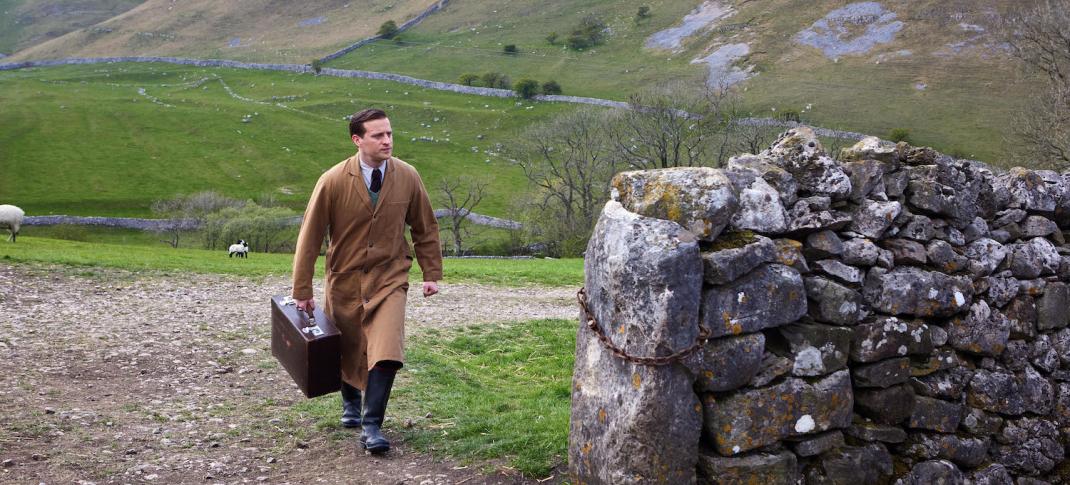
x=240, y=249
x=11, y=218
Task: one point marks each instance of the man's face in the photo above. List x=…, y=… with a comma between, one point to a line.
x=378, y=141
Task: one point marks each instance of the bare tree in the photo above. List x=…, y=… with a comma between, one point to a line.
x=176, y=213
x=568, y=162
x=674, y=125
x=462, y=195
x=1040, y=37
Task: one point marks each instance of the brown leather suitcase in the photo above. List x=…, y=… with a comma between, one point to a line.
x=310, y=350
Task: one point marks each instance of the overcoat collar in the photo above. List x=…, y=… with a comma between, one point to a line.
x=353, y=168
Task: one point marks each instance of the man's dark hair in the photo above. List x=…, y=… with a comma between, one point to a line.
x=356, y=122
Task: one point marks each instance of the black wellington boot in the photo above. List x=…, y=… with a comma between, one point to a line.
x=380, y=381
x=350, y=406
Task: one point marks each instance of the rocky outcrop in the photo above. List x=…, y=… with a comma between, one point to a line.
x=895, y=315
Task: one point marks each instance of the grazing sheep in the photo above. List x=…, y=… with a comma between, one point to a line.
x=239, y=249
x=11, y=218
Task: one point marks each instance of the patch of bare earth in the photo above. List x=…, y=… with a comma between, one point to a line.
x=109, y=376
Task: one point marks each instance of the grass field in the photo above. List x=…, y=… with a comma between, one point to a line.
x=81, y=140
x=482, y=392
x=507, y=272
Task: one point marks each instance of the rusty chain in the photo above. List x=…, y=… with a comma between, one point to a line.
x=703, y=336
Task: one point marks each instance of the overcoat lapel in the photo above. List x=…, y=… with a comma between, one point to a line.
x=384, y=193
x=353, y=167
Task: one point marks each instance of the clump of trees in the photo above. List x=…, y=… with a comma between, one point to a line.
x=487, y=80
x=590, y=32
x=570, y=160
x=221, y=221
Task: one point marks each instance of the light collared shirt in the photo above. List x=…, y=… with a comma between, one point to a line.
x=366, y=171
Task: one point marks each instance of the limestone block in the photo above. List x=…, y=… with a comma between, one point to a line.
x=981, y=331
x=834, y=303
x=935, y=414
x=742, y=306
x=817, y=349
x=755, y=418
x=644, y=278
x=914, y=291
x=885, y=373
x=888, y=337
x=765, y=468
x=726, y=265
x=729, y=363
x=873, y=218
x=891, y=405
x=700, y=199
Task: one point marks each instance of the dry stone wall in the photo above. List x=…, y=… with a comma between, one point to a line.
x=895, y=316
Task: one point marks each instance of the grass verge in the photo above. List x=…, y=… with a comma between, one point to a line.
x=481, y=393
x=501, y=272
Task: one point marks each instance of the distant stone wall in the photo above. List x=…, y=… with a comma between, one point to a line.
x=163, y=224
x=898, y=315
x=401, y=28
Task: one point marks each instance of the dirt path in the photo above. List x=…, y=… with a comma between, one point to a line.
x=116, y=377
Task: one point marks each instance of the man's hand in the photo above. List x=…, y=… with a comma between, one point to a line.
x=308, y=305
x=430, y=288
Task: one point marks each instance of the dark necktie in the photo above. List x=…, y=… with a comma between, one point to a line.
x=377, y=180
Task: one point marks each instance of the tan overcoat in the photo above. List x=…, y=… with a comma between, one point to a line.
x=368, y=258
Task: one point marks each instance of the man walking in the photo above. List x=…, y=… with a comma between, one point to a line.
x=364, y=204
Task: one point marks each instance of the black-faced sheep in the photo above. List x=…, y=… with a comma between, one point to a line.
x=239, y=249
x=11, y=218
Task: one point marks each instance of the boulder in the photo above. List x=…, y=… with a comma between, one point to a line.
x=823, y=244
x=870, y=431
x=812, y=214
x=700, y=199
x=949, y=384
x=965, y=451
x=987, y=252
x=1037, y=226
x=754, y=418
x=920, y=228
x=813, y=445
x=943, y=256
x=906, y=252
x=615, y=401
x=994, y=474
x=875, y=149
x=789, y=253
x=947, y=188
x=742, y=306
x=1001, y=289
x=867, y=180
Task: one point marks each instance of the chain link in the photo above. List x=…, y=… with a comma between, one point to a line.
x=703, y=336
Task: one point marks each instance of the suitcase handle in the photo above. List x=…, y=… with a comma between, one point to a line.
x=310, y=313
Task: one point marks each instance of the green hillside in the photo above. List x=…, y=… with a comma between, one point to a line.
x=81, y=140
x=24, y=23
x=944, y=76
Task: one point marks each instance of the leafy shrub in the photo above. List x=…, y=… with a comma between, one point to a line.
x=589, y=33
x=317, y=65
x=551, y=87
x=388, y=30
x=642, y=13
x=496, y=80
x=526, y=88
x=468, y=79
x=552, y=38
x=509, y=49
x=899, y=134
